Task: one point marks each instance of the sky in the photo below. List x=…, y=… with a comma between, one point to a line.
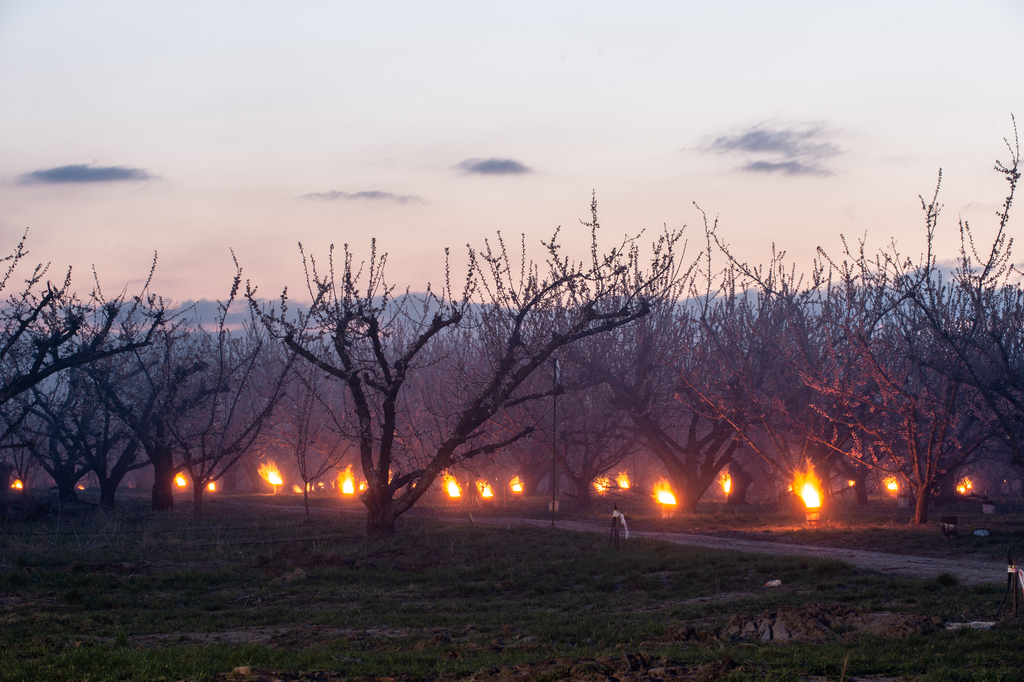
x=192, y=129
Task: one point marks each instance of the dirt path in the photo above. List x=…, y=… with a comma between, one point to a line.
x=968, y=571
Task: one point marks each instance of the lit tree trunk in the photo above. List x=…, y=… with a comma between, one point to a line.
x=740, y=480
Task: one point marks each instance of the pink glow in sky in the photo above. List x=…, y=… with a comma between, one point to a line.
x=190, y=128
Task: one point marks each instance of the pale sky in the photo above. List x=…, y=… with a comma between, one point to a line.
x=190, y=128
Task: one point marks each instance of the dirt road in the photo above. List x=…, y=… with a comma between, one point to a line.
x=969, y=572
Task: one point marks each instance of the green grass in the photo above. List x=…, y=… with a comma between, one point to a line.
x=139, y=596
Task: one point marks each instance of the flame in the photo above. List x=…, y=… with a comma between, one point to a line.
x=516, y=485
x=964, y=486
x=452, y=486
x=726, y=480
x=269, y=472
x=296, y=489
x=891, y=484
x=809, y=486
x=347, y=482
x=663, y=492
x=623, y=480
x=180, y=480
x=485, y=489
x=18, y=485
x=362, y=486
x=851, y=483
x=602, y=484
x=77, y=487
x=211, y=486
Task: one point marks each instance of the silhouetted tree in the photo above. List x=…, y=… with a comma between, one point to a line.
x=46, y=328
x=508, y=321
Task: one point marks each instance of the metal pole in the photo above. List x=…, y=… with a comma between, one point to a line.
x=554, y=439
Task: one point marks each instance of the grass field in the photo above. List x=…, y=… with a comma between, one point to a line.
x=132, y=595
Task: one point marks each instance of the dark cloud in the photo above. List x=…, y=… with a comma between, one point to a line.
x=792, y=150
x=786, y=167
x=494, y=167
x=86, y=173
x=372, y=195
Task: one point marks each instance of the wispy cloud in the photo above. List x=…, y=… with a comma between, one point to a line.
x=77, y=173
x=790, y=150
x=494, y=166
x=371, y=195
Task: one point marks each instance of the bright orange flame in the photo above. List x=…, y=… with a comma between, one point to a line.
x=851, y=483
x=623, y=480
x=516, y=485
x=18, y=485
x=362, y=486
x=347, y=482
x=726, y=480
x=211, y=486
x=269, y=472
x=891, y=484
x=79, y=486
x=296, y=489
x=964, y=486
x=663, y=492
x=809, y=486
x=452, y=486
x=485, y=489
x=602, y=484
x=180, y=480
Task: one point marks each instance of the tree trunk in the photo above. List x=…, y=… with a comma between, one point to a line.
x=163, y=479
x=197, y=498
x=921, y=506
x=108, y=487
x=859, y=474
x=305, y=498
x=583, y=498
x=65, y=491
x=380, y=519
x=740, y=480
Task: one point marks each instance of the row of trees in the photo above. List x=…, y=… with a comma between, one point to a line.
x=872, y=362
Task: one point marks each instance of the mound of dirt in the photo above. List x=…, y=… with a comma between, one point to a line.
x=821, y=622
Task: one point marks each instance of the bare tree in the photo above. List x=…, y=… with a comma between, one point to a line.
x=46, y=328
x=510, y=318
x=984, y=335
x=79, y=434
x=303, y=426
x=149, y=390
x=232, y=398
